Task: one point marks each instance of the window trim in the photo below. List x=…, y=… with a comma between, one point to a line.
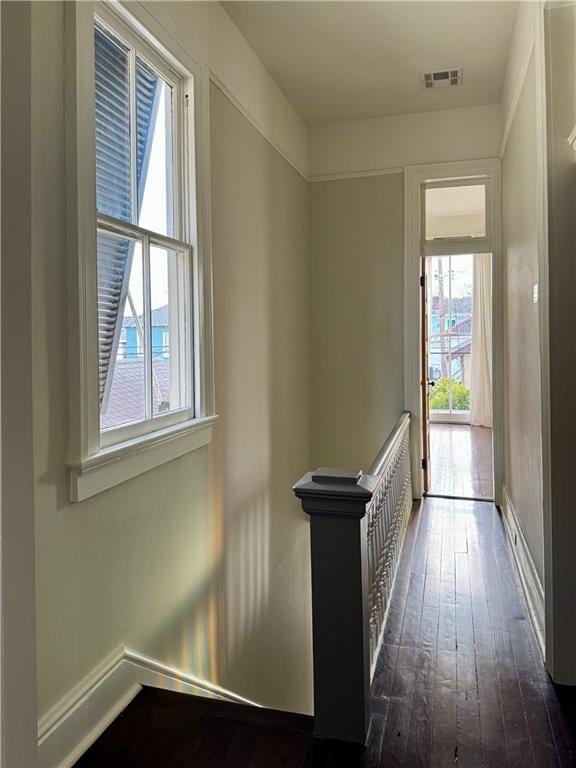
x=179, y=81
x=136, y=453
x=452, y=246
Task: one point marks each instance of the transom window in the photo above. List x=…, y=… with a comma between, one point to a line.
x=456, y=210
x=144, y=256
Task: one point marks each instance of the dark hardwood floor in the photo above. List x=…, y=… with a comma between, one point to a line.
x=459, y=681
x=162, y=729
x=461, y=461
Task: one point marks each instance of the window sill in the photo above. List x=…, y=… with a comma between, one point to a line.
x=118, y=463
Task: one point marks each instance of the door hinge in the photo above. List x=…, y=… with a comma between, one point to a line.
x=424, y=464
x=422, y=281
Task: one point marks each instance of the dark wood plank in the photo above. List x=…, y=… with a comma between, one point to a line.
x=422, y=705
x=444, y=743
x=396, y=731
x=443, y=747
x=529, y=667
x=502, y=604
x=489, y=700
x=279, y=748
x=219, y=708
x=294, y=751
x=399, y=597
x=386, y=664
x=447, y=616
x=467, y=708
x=397, y=724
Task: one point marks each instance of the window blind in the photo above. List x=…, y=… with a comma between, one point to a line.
x=113, y=145
x=114, y=158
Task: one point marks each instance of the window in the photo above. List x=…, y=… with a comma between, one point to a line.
x=143, y=251
x=455, y=210
x=141, y=352
x=450, y=280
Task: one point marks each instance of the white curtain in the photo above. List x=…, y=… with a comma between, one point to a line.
x=481, y=364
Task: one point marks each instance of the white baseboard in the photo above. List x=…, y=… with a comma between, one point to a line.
x=67, y=730
x=526, y=569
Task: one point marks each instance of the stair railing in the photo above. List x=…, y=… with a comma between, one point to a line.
x=357, y=525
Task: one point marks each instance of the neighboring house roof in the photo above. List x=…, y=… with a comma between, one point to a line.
x=463, y=348
x=160, y=317
x=126, y=398
x=463, y=326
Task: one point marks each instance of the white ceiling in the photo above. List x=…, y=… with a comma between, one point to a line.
x=347, y=60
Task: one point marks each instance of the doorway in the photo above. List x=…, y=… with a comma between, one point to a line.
x=449, y=236
x=456, y=382
x=457, y=358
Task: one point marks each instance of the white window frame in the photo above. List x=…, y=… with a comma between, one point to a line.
x=98, y=461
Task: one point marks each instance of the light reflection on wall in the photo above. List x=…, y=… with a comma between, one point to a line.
x=190, y=640
x=208, y=632
x=247, y=572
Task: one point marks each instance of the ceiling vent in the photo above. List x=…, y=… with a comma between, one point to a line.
x=442, y=78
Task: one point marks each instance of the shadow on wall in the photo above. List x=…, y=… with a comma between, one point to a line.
x=262, y=445
x=357, y=277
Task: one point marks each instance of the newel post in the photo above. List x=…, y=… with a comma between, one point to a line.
x=336, y=501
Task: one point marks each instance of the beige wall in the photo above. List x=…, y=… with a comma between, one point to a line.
x=212, y=581
x=18, y=726
x=378, y=143
x=261, y=300
x=357, y=256
x=523, y=448
x=561, y=57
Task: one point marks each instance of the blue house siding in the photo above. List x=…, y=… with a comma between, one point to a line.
x=159, y=347
x=160, y=330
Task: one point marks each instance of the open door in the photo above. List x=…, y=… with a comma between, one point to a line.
x=425, y=384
